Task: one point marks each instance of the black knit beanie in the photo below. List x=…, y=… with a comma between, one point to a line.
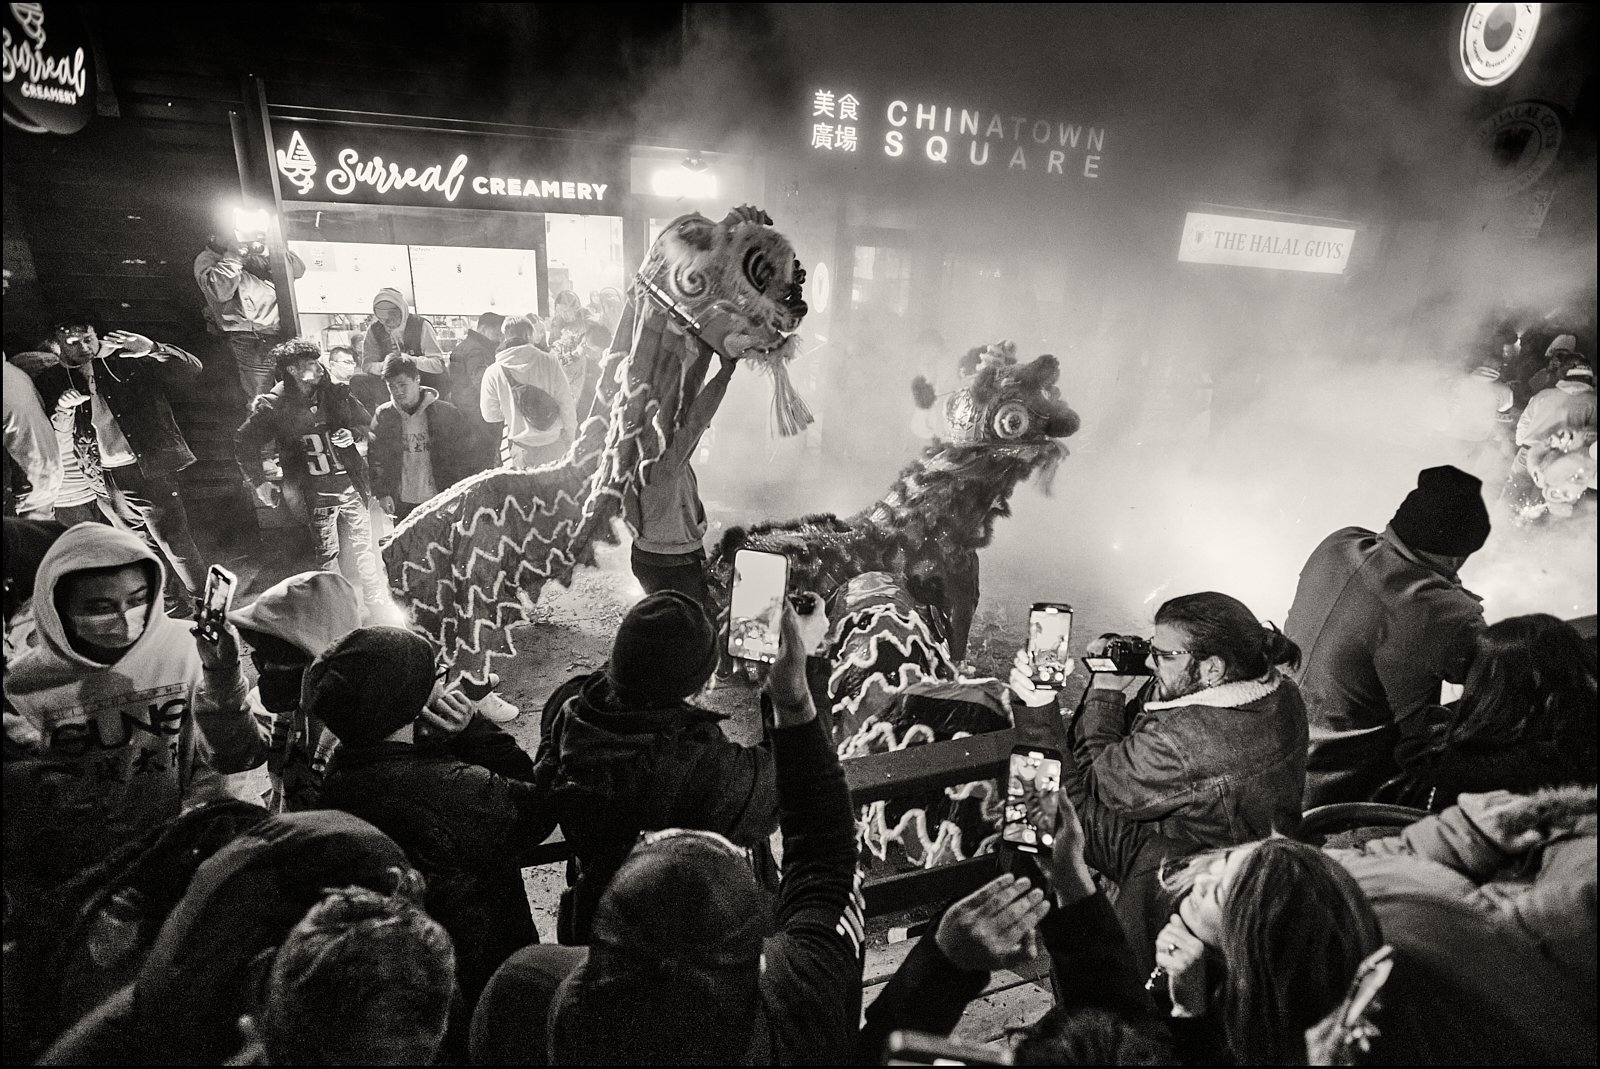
x=1445, y=514
x=369, y=684
x=664, y=651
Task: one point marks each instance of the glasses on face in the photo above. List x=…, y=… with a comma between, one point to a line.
x=1167, y=655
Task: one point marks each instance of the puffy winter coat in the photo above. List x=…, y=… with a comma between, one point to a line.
x=448, y=442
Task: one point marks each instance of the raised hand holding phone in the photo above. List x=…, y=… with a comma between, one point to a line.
x=786, y=680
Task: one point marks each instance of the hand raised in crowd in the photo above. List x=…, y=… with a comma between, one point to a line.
x=218, y=654
x=1181, y=955
x=995, y=926
x=269, y=494
x=1070, y=878
x=446, y=715
x=786, y=679
x=735, y=347
x=342, y=438
x=1022, y=685
x=71, y=398
x=126, y=343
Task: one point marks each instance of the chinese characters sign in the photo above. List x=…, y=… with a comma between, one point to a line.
x=843, y=120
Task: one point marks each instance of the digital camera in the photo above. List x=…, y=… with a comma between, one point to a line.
x=1124, y=655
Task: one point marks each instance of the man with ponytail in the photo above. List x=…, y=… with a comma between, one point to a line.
x=1212, y=749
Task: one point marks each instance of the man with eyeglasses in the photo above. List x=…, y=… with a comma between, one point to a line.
x=1212, y=749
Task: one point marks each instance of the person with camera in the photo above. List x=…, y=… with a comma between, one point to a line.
x=690, y=962
x=320, y=434
x=1212, y=747
x=235, y=278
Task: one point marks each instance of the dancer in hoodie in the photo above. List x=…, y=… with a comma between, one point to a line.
x=399, y=330
x=527, y=391
x=419, y=442
x=319, y=432
x=106, y=713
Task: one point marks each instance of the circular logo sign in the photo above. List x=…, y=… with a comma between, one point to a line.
x=49, y=70
x=1495, y=39
x=1516, y=146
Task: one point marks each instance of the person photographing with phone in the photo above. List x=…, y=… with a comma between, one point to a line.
x=1211, y=748
x=235, y=278
x=690, y=960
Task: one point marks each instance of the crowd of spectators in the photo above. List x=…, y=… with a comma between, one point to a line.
x=293, y=839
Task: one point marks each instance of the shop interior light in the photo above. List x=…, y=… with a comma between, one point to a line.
x=246, y=222
x=681, y=184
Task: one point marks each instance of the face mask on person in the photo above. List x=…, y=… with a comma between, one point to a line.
x=280, y=689
x=111, y=630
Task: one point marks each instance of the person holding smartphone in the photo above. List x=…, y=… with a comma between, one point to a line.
x=690, y=960
x=235, y=279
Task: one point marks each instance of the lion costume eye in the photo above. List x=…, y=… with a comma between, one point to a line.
x=758, y=269
x=1010, y=421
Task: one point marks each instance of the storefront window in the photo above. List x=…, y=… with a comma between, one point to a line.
x=585, y=253
x=882, y=279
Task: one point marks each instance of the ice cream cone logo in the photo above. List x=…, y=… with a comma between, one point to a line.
x=31, y=18
x=297, y=164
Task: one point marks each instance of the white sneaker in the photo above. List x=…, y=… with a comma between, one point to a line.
x=495, y=708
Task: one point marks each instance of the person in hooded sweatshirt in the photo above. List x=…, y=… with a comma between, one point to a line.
x=286, y=627
x=625, y=750
x=419, y=442
x=399, y=330
x=527, y=391
x=462, y=805
x=108, y=716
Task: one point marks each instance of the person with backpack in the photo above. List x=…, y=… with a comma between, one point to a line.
x=625, y=750
x=399, y=330
x=527, y=391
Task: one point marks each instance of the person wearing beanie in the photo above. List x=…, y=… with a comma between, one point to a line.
x=1382, y=620
x=680, y=967
x=457, y=797
x=625, y=750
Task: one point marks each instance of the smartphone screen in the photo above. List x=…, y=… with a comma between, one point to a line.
x=1030, y=818
x=1049, y=634
x=220, y=585
x=755, y=612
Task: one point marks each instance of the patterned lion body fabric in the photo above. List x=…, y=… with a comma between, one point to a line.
x=469, y=564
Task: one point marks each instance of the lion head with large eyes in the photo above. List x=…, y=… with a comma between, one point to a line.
x=740, y=268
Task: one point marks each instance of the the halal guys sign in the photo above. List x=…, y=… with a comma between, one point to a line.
x=49, y=70
x=366, y=165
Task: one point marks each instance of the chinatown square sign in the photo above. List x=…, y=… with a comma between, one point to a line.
x=429, y=169
x=848, y=122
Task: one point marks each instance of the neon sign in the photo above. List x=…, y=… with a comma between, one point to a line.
x=963, y=137
x=48, y=76
x=328, y=163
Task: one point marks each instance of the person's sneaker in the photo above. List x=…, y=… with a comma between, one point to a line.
x=493, y=707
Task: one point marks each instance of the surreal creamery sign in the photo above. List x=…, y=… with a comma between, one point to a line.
x=844, y=122
x=49, y=70
x=423, y=169
x=1275, y=244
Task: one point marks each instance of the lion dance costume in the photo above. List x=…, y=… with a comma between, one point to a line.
x=470, y=564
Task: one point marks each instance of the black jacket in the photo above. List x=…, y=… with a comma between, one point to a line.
x=612, y=773
x=472, y=356
x=136, y=392
x=810, y=993
x=282, y=416
x=462, y=812
x=1091, y=958
x=447, y=447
